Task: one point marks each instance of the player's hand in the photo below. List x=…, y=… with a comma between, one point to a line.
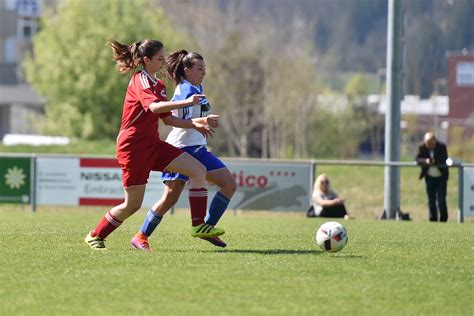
x=195, y=98
x=212, y=120
x=205, y=130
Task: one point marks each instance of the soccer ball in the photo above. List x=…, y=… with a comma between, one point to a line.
x=331, y=237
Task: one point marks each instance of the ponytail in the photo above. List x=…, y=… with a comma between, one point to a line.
x=179, y=60
x=130, y=57
x=174, y=66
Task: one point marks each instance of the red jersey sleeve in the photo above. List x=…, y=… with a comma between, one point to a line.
x=145, y=93
x=162, y=88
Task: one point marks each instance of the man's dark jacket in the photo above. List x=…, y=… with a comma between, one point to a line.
x=440, y=156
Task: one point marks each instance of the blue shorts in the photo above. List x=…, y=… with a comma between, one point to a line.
x=201, y=154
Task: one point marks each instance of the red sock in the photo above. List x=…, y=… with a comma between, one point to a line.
x=107, y=225
x=198, y=203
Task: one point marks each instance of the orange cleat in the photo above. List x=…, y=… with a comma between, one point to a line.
x=140, y=241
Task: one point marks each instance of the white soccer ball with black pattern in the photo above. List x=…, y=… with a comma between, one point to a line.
x=331, y=237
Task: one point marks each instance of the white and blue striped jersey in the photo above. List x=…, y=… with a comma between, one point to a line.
x=182, y=137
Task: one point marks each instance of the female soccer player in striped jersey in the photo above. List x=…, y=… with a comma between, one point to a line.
x=139, y=148
x=188, y=71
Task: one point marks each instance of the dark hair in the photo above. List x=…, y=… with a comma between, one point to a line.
x=129, y=57
x=179, y=60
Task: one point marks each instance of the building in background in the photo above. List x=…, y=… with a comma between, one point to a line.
x=19, y=104
x=426, y=114
x=450, y=117
x=461, y=95
x=417, y=117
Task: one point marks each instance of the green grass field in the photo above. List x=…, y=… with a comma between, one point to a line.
x=270, y=267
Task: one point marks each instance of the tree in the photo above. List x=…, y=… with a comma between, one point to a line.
x=235, y=83
x=459, y=33
x=366, y=122
x=264, y=83
x=290, y=99
x=263, y=80
x=73, y=68
x=424, y=56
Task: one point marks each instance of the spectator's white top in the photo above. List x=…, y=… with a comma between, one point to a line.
x=331, y=195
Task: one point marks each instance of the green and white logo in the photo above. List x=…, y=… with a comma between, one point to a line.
x=14, y=180
x=15, y=177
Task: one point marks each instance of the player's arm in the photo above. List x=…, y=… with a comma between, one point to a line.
x=166, y=106
x=204, y=129
x=212, y=120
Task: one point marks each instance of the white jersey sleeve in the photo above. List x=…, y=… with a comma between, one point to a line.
x=182, y=137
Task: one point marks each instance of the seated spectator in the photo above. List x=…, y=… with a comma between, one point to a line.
x=326, y=202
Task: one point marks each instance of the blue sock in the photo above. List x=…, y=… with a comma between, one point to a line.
x=151, y=221
x=217, y=208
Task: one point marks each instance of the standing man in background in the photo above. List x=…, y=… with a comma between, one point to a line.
x=432, y=156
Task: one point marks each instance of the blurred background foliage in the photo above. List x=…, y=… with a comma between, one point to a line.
x=73, y=68
x=290, y=78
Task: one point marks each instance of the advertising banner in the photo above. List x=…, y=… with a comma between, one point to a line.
x=101, y=183
x=15, y=186
x=57, y=180
x=261, y=185
x=266, y=185
x=86, y=181
x=468, y=193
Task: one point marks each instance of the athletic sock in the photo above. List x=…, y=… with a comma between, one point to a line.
x=106, y=226
x=198, y=204
x=217, y=208
x=151, y=221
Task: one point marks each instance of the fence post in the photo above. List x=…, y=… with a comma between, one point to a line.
x=311, y=181
x=461, y=194
x=33, y=183
x=392, y=115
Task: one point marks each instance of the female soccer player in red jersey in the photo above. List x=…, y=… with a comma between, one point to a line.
x=188, y=71
x=139, y=148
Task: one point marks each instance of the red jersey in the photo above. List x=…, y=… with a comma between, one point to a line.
x=139, y=129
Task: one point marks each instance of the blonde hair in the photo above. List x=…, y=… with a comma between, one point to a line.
x=319, y=179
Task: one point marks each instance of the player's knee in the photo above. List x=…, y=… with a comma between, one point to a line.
x=199, y=172
x=231, y=186
x=171, y=198
x=132, y=206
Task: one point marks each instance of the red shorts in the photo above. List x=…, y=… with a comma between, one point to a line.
x=136, y=166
